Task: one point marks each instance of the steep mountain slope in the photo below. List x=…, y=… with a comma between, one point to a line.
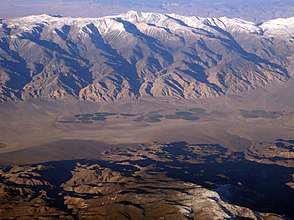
x=140, y=54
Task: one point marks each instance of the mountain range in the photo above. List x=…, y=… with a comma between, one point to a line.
x=136, y=55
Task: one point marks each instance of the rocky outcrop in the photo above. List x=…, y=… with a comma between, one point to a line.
x=173, y=181
x=137, y=55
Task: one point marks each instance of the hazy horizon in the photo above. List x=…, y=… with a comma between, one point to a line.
x=257, y=11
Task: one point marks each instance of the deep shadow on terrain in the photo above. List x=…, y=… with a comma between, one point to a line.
x=257, y=186
x=260, y=187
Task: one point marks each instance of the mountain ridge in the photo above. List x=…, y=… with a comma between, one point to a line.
x=140, y=54
x=150, y=17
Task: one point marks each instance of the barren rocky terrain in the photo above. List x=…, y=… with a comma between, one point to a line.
x=136, y=55
x=152, y=182
x=212, y=159
x=146, y=116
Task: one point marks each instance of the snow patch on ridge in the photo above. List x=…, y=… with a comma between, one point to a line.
x=283, y=28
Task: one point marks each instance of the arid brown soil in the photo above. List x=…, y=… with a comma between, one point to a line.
x=174, y=181
x=229, y=163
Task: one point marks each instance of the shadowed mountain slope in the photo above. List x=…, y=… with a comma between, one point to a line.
x=137, y=55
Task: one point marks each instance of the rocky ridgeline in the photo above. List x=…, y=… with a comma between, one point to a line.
x=137, y=55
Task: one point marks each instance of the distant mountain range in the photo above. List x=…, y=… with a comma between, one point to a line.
x=252, y=10
x=136, y=55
